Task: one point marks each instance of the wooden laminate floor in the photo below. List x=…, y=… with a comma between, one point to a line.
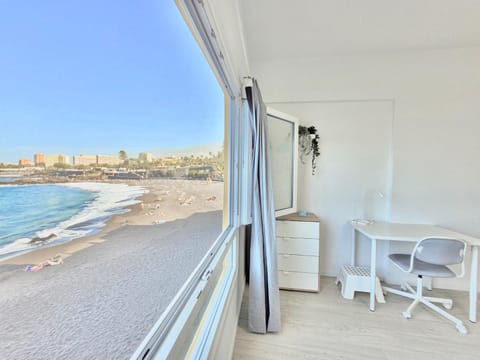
x=325, y=326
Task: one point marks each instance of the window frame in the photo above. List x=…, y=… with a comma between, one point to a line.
x=274, y=114
x=165, y=338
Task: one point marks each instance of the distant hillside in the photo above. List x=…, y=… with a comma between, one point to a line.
x=196, y=150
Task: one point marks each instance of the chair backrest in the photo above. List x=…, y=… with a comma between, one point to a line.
x=440, y=251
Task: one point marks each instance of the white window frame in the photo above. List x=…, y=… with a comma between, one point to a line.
x=281, y=116
x=202, y=298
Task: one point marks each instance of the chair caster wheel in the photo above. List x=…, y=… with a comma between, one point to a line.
x=403, y=287
x=406, y=314
x=461, y=329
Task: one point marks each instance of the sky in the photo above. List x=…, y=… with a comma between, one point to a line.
x=99, y=76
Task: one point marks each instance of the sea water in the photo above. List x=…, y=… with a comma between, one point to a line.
x=32, y=216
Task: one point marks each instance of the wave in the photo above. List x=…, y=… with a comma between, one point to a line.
x=110, y=199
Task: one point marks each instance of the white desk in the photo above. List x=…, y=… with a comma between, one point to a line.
x=413, y=233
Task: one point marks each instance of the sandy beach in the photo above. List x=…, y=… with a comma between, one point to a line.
x=112, y=287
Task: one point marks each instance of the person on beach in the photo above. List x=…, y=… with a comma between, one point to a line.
x=56, y=260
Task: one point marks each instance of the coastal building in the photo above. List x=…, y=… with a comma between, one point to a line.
x=145, y=157
x=169, y=160
x=51, y=159
x=25, y=162
x=107, y=160
x=84, y=159
x=181, y=171
x=39, y=159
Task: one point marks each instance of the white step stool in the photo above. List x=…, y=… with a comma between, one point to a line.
x=357, y=278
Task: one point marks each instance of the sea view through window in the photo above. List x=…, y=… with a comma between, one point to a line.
x=112, y=172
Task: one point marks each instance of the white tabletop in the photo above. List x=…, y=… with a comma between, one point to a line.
x=409, y=232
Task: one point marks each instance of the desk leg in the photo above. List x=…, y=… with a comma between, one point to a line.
x=354, y=244
x=473, y=285
x=373, y=274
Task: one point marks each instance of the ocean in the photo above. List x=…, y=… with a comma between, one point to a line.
x=33, y=216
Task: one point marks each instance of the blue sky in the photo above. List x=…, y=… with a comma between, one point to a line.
x=98, y=76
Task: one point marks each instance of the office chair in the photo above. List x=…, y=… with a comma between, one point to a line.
x=431, y=257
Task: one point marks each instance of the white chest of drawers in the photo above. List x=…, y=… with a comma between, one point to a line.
x=298, y=249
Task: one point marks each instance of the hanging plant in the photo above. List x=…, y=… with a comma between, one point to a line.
x=308, y=140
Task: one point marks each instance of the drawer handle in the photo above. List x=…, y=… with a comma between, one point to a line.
x=286, y=256
x=286, y=273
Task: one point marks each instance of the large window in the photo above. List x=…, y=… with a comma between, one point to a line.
x=114, y=180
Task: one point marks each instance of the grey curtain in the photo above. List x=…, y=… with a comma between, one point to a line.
x=264, y=298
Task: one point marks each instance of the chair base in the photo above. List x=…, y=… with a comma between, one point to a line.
x=417, y=297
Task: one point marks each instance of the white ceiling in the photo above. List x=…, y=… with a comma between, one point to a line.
x=312, y=28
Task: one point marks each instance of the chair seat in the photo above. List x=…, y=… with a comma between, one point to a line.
x=421, y=267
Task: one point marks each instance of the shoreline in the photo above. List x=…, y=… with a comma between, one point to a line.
x=110, y=294
x=163, y=201
x=69, y=248
x=102, y=201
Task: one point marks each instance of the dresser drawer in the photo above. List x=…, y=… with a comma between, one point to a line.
x=297, y=263
x=298, y=229
x=297, y=246
x=298, y=281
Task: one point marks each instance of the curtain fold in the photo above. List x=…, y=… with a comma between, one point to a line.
x=264, y=297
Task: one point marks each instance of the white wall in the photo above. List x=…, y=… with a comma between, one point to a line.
x=353, y=167
x=436, y=126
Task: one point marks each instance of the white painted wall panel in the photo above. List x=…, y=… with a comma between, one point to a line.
x=436, y=122
x=355, y=141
